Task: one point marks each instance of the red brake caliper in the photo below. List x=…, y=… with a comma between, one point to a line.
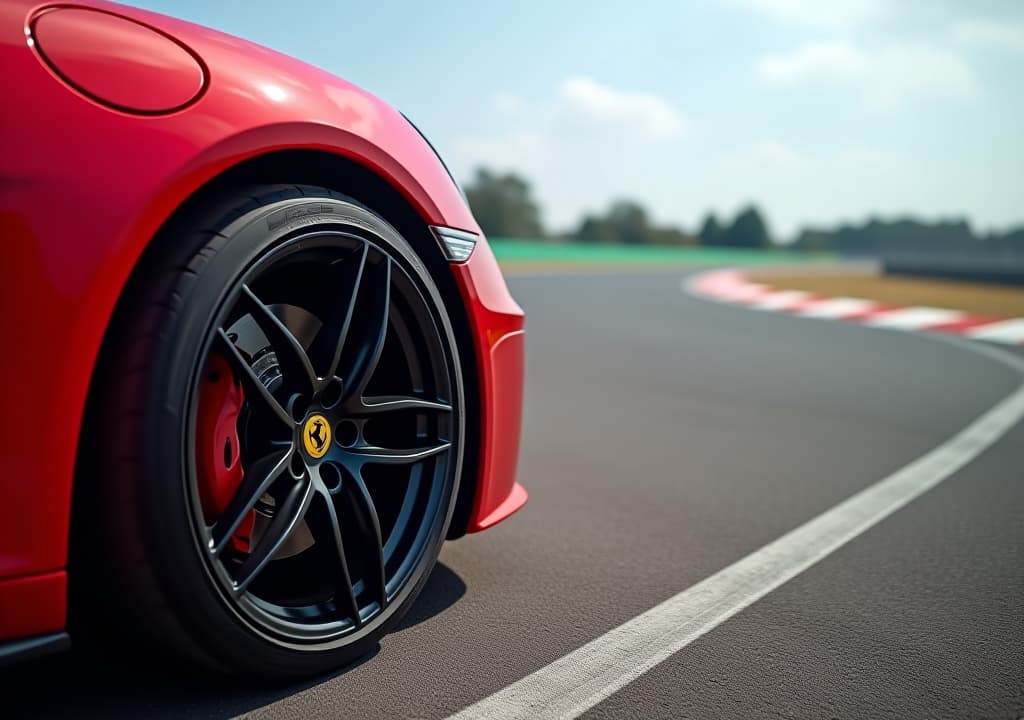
x=218, y=451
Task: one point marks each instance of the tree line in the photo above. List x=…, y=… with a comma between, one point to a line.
x=504, y=206
x=876, y=238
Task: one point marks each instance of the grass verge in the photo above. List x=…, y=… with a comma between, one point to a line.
x=539, y=256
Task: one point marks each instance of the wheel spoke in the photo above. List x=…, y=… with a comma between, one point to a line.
x=329, y=343
x=393, y=403
x=359, y=359
x=366, y=516
x=253, y=387
x=295, y=365
x=322, y=520
x=288, y=515
x=255, y=483
x=355, y=457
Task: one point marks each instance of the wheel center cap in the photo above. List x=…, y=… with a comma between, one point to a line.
x=316, y=436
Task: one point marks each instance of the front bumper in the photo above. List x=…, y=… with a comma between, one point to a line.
x=497, y=325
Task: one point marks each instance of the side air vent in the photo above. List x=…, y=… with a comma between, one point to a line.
x=457, y=245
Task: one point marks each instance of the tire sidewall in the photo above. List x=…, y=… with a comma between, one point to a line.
x=176, y=551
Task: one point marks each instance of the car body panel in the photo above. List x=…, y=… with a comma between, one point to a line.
x=499, y=322
x=83, y=190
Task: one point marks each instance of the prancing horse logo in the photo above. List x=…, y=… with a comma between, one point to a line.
x=316, y=436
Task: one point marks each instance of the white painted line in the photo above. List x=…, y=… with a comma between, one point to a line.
x=570, y=686
x=914, y=318
x=1007, y=331
x=838, y=307
x=781, y=300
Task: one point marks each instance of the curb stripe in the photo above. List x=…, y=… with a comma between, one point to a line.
x=960, y=327
x=1007, y=331
x=731, y=285
x=785, y=300
x=836, y=308
x=914, y=318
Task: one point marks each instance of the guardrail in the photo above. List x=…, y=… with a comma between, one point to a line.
x=1003, y=268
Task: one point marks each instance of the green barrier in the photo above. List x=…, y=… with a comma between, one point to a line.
x=535, y=251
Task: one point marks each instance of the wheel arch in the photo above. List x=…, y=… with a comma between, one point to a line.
x=342, y=174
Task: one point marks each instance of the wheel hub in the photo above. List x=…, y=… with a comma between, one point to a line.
x=316, y=436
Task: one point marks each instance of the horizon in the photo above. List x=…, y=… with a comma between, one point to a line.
x=818, y=116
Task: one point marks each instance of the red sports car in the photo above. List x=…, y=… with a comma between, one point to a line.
x=259, y=359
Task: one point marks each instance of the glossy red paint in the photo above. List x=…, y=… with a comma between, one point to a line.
x=129, y=66
x=498, y=325
x=84, y=188
x=32, y=605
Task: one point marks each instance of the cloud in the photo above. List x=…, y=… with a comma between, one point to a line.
x=587, y=104
x=885, y=78
x=522, y=150
x=989, y=35
x=506, y=103
x=830, y=14
x=773, y=158
x=777, y=157
x=581, y=146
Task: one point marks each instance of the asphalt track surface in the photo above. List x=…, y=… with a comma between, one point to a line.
x=665, y=439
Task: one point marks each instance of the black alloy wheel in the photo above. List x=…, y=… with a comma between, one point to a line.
x=284, y=381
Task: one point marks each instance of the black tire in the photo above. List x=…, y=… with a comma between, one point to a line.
x=143, y=537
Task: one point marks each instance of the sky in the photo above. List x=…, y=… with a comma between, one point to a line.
x=818, y=112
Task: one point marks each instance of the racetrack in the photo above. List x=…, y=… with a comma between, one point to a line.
x=667, y=438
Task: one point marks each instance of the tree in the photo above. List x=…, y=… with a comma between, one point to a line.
x=748, y=230
x=630, y=222
x=671, y=236
x=711, y=233
x=503, y=206
x=625, y=222
x=594, y=230
x=814, y=240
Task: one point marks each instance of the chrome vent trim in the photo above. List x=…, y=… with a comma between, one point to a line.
x=457, y=245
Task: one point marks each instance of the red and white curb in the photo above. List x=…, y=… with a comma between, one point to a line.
x=732, y=286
